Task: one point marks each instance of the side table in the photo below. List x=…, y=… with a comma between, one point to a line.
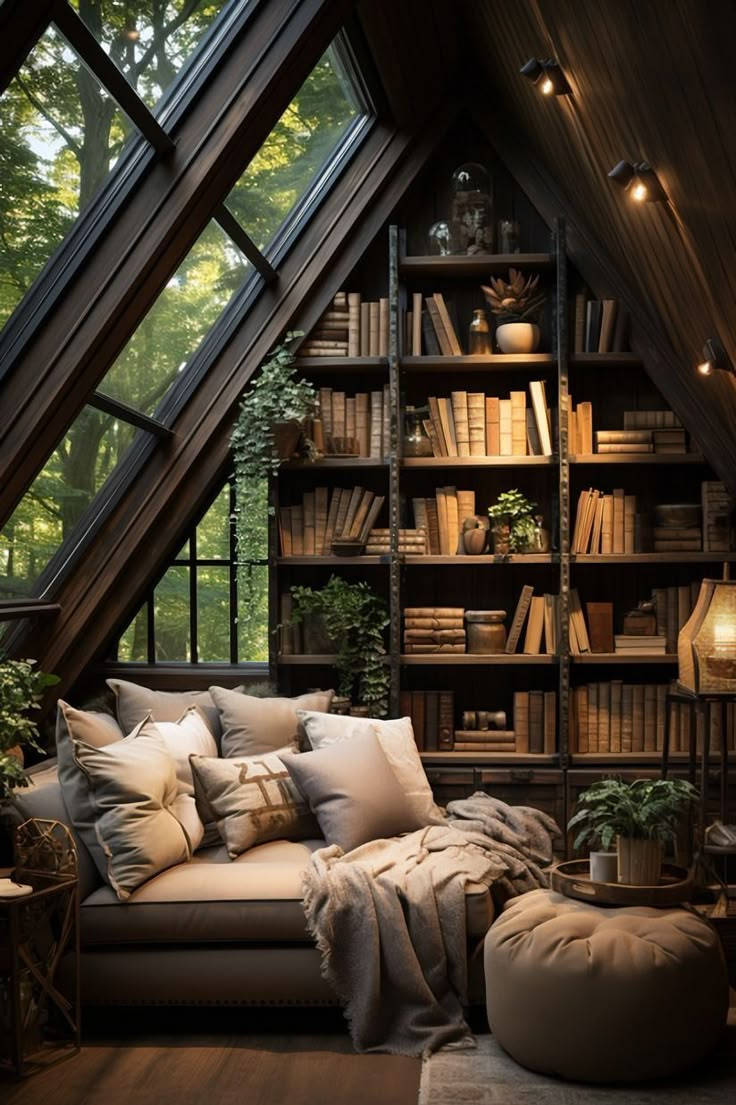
x=38, y=1024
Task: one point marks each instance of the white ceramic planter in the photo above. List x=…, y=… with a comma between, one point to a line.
x=517, y=337
x=604, y=866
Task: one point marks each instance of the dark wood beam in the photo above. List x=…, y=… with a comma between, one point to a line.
x=231, y=226
x=11, y=610
x=21, y=25
x=128, y=414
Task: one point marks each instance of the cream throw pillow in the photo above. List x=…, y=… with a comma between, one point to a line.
x=190, y=735
x=252, y=800
x=396, y=738
x=132, y=794
x=253, y=726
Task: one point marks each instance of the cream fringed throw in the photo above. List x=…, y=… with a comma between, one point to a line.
x=389, y=919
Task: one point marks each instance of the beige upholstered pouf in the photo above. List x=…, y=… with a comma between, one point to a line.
x=603, y=994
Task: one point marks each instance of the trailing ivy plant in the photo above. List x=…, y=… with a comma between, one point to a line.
x=21, y=689
x=644, y=808
x=277, y=394
x=354, y=618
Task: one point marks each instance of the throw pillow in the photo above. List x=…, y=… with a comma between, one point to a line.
x=396, y=738
x=252, y=726
x=136, y=814
x=134, y=703
x=188, y=736
x=353, y=791
x=252, y=799
x=90, y=726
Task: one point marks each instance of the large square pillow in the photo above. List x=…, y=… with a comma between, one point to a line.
x=252, y=799
x=396, y=738
x=252, y=726
x=353, y=791
x=89, y=726
x=123, y=801
x=188, y=736
x=135, y=703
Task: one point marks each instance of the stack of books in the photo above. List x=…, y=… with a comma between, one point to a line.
x=624, y=441
x=349, y=328
x=411, y=541
x=429, y=629
x=640, y=644
x=473, y=424
x=485, y=740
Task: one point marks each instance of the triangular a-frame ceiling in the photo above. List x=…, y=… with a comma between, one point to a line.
x=650, y=81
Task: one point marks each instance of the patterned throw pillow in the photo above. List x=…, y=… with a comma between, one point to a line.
x=252, y=799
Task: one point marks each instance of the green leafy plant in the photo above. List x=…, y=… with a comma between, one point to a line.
x=276, y=395
x=21, y=690
x=354, y=618
x=515, y=300
x=514, y=510
x=647, y=809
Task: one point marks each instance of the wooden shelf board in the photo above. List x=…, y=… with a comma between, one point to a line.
x=335, y=462
x=312, y=660
x=456, y=659
x=308, y=561
x=343, y=364
x=478, y=462
x=490, y=362
x=625, y=757
x=623, y=658
x=608, y=360
x=638, y=458
x=515, y=758
x=475, y=264
x=472, y=561
x=654, y=558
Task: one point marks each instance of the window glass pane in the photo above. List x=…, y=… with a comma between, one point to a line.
x=133, y=645
x=48, y=513
x=178, y=321
x=184, y=554
x=149, y=40
x=60, y=134
x=213, y=614
x=253, y=615
x=300, y=143
x=213, y=532
x=171, y=616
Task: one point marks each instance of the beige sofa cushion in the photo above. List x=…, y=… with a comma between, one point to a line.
x=396, y=738
x=134, y=703
x=252, y=799
x=252, y=726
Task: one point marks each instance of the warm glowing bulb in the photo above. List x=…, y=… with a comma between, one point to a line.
x=547, y=87
x=705, y=369
x=640, y=192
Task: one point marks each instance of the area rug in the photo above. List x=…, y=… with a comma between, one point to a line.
x=488, y=1076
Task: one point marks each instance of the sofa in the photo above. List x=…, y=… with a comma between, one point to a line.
x=217, y=927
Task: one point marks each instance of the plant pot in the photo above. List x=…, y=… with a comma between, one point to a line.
x=317, y=640
x=286, y=438
x=639, y=860
x=517, y=337
x=604, y=867
x=501, y=537
x=475, y=541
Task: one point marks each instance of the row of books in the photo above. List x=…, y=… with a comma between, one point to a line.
x=442, y=519
x=432, y=716
x=630, y=717
x=599, y=325
x=658, y=431
x=356, y=424
x=309, y=528
x=605, y=523
x=673, y=606
x=541, y=614
x=430, y=629
x=718, y=516
x=350, y=327
x=472, y=424
x=431, y=327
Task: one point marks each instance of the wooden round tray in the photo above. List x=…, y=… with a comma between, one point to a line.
x=573, y=879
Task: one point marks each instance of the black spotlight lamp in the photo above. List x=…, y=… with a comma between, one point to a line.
x=640, y=180
x=547, y=75
x=715, y=358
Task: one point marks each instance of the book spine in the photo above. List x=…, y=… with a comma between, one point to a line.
x=447, y=720
x=354, y=324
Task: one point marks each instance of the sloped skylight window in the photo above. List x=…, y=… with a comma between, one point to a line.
x=60, y=135
x=289, y=162
x=195, y=296
x=149, y=40
x=52, y=507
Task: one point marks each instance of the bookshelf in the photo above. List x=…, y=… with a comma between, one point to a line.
x=613, y=383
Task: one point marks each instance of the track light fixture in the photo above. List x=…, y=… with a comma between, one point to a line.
x=715, y=357
x=548, y=75
x=641, y=181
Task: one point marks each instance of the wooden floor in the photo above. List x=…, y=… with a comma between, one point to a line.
x=218, y=1057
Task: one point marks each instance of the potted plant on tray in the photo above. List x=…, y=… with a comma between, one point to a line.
x=517, y=305
x=640, y=816
x=353, y=618
x=512, y=522
x=21, y=690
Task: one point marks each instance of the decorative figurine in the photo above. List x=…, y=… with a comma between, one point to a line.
x=472, y=209
x=440, y=238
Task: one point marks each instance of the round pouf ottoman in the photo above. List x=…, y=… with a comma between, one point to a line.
x=598, y=994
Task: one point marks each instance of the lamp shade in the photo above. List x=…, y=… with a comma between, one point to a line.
x=706, y=645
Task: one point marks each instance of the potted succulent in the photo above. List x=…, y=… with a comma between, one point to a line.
x=517, y=305
x=512, y=522
x=21, y=690
x=639, y=816
x=354, y=619
x=268, y=430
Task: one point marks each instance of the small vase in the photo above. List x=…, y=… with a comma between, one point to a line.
x=479, y=337
x=475, y=541
x=639, y=861
x=517, y=337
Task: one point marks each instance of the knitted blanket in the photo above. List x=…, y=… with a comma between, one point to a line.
x=390, y=922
